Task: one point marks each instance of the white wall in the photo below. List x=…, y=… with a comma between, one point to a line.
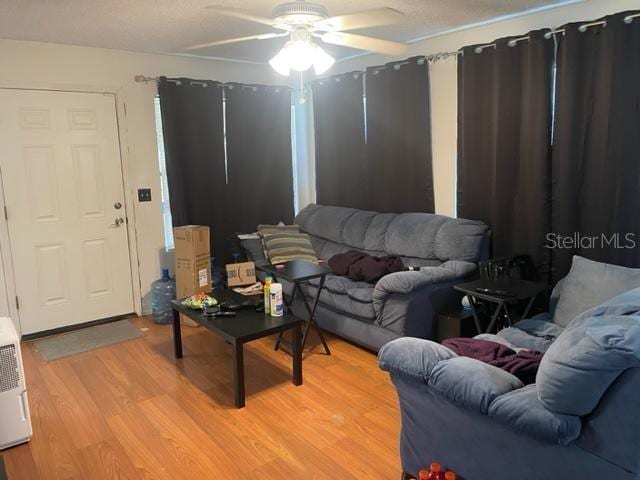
x=444, y=76
x=50, y=66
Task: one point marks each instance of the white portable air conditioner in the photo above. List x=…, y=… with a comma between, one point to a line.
x=15, y=423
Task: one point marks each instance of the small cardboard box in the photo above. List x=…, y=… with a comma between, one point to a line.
x=240, y=274
x=192, y=255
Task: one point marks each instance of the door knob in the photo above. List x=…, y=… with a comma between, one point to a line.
x=118, y=221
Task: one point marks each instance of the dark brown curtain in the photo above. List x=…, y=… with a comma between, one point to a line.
x=192, y=120
x=341, y=167
x=504, y=137
x=398, y=136
x=260, y=169
x=596, y=152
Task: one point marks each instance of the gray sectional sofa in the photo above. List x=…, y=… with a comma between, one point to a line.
x=402, y=303
x=580, y=420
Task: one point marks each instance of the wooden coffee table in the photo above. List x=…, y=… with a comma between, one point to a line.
x=247, y=325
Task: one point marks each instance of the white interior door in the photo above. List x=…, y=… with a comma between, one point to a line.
x=62, y=181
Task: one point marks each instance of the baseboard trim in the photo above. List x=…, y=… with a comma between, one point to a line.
x=78, y=326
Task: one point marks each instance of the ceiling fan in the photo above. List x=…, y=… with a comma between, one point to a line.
x=303, y=22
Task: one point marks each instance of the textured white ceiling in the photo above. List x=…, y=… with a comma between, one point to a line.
x=164, y=26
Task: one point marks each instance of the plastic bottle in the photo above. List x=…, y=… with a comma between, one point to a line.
x=449, y=476
x=162, y=292
x=435, y=472
x=275, y=300
x=267, y=284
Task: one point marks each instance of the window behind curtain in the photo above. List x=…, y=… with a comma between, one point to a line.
x=164, y=186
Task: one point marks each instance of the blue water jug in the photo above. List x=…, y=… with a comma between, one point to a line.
x=162, y=292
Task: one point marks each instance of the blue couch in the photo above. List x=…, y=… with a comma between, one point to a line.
x=400, y=304
x=580, y=420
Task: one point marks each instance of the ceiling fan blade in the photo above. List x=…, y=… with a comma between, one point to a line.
x=367, y=18
x=363, y=42
x=264, y=36
x=244, y=16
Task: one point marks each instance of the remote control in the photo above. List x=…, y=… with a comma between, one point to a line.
x=495, y=291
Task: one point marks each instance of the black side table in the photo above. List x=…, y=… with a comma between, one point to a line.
x=515, y=291
x=300, y=272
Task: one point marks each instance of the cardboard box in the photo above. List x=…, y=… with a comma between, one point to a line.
x=240, y=274
x=192, y=255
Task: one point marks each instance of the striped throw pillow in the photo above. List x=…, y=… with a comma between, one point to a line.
x=269, y=229
x=265, y=229
x=284, y=247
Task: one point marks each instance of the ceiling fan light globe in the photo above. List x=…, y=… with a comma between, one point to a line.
x=295, y=55
x=322, y=61
x=300, y=54
x=280, y=65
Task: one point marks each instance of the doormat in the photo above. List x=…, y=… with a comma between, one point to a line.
x=90, y=338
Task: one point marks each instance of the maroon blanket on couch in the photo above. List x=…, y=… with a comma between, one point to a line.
x=362, y=266
x=523, y=364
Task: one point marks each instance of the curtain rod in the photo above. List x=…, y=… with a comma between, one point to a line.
x=229, y=85
x=434, y=57
x=582, y=28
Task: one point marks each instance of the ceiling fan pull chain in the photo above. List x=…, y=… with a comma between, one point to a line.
x=302, y=91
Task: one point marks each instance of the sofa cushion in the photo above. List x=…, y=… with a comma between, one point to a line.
x=461, y=239
x=356, y=227
x=470, y=383
x=590, y=354
x=532, y=334
x=344, y=295
x=522, y=411
x=325, y=249
x=374, y=240
x=414, y=235
x=419, y=236
x=326, y=222
x=589, y=284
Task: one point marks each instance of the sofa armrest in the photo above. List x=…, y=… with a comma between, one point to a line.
x=407, y=302
x=409, y=282
x=464, y=381
x=412, y=357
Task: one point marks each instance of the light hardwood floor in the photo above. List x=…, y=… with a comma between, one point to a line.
x=131, y=411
